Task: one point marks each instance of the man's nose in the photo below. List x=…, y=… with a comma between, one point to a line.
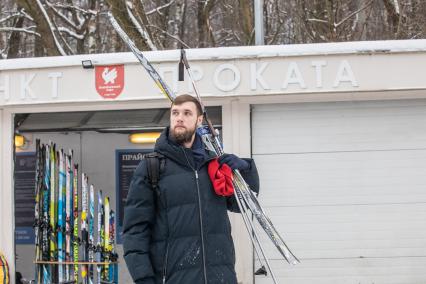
x=179, y=117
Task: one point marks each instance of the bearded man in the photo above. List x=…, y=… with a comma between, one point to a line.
x=178, y=231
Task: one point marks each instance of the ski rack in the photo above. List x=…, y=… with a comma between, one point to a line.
x=64, y=223
x=73, y=263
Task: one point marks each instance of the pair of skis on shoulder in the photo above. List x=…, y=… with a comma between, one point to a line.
x=247, y=201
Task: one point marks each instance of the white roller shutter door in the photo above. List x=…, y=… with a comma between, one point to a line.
x=345, y=183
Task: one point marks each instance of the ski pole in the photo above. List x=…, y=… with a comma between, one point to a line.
x=246, y=194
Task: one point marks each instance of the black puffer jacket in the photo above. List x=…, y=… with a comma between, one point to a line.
x=162, y=234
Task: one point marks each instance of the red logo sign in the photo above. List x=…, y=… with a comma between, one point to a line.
x=109, y=80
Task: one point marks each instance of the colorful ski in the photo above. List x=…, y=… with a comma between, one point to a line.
x=100, y=240
x=47, y=277
x=76, y=240
x=37, y=209
x=53, y=210
x=113, y=268
x=84, y=232
x=106, y=239
x=61, y=225
x=91, y=229
x=68, y=214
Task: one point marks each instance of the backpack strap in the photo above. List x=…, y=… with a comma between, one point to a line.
x=155, y=164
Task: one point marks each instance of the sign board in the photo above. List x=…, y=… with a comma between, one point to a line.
x=24, y=197
x=126, y=163
x=109, y=80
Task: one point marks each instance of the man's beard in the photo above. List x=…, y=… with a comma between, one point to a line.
x=182, y=137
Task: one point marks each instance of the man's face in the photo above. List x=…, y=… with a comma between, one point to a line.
x=184, y=121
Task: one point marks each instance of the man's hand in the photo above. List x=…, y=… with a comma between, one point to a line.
x=234, y=162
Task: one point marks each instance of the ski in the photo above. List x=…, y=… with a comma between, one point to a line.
x=61, y=225
x=100, y=238
x=46, y=219
x=68, y=215
x=53, y=211
x=91, y=238
x=246, y=199
x=113, y=268
x=106, y=239
x=38, y=228
x=76, y=240
x=84, y=232
x=145, y=63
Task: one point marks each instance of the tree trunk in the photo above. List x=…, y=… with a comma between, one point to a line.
x=15, y=40
x=393, y=14
x=204, y=33
x=246, y=18
x=47, y=40
x=140, y=11
x=119, y=11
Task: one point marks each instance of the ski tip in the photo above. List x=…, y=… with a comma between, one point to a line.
x=261, y=271
x=293, y=261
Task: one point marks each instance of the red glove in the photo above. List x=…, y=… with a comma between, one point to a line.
x=221, y=177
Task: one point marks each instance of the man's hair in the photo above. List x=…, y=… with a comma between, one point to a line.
x=188, y=98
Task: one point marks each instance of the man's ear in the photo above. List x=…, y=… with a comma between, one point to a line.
x=199, y=120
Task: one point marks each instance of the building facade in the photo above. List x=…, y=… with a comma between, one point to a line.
x=337, y=131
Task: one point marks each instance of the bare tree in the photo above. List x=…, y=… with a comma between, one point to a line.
x=54, y=27
x=205, y=32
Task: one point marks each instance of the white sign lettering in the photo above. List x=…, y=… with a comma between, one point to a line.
x=217, y=78
x=345, y=74
x=318, y=71
x=5, y=87
x=54, y=77
x=256, y=76
x=294, y=76
x=25, y=86
x=231, y=85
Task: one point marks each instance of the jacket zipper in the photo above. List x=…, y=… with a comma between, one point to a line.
x=201, y=217
x=201, y=228
x=165, y=264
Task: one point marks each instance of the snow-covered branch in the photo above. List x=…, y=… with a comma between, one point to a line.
x=52, y=30
x=317, y=20
x=7, y=18
x=21, y=30
x=170, y=35
x=62, y=16
x=158, y=9
x=79, y=9
x=336, y=25
x=140, y=29
x=71, y=33
x=396, y=5
x=208, y=4
x=3, y=54
x=26, y=15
